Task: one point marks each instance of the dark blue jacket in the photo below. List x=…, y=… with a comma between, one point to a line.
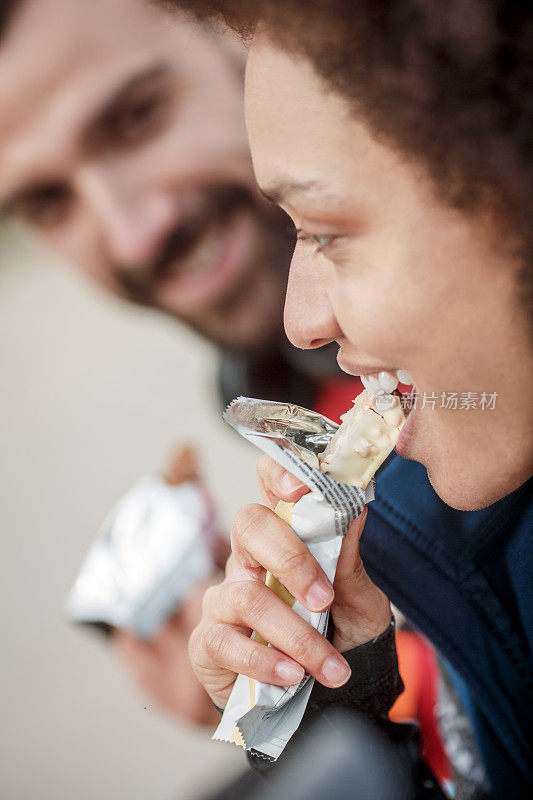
x=465, y=579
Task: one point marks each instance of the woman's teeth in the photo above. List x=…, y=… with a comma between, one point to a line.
x=404, y=377
x=385, y=382
x=379, y=382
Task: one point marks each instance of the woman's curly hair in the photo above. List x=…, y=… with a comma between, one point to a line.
x=448, y=82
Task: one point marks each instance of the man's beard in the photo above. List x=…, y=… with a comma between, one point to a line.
x=140, y=285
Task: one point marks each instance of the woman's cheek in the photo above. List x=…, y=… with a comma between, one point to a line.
x=362, y=316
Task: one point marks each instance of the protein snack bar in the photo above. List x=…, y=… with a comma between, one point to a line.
x=337, y=463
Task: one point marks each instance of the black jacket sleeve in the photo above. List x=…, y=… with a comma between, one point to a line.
x=374, y=684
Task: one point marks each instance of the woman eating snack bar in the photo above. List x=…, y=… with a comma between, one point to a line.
x=398, y=138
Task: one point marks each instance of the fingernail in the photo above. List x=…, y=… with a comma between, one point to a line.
x=289, y=672
x=336, y=671
x=289, y=483
x=318, y=596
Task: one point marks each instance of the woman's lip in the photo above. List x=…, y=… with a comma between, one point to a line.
x=404, y=444
x=405, y=388
x=353, y=368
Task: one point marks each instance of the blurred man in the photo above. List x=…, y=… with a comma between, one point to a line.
x=123, y=147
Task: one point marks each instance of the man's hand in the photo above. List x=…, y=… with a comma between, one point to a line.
x=220, y=646
x=161, y=666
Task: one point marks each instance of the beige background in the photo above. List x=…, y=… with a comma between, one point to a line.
x=93, y=394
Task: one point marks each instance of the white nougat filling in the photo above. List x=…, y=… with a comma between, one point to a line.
x=363, y=441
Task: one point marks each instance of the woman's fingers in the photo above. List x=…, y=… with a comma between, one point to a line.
x=232, y=650
x=361, y=611
x=251, y=605
x=275, y=483
x=260, y=539
x=349, y=565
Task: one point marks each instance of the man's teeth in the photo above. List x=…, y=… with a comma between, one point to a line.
x=203, y=256
x=379, y=382
x=404, y=377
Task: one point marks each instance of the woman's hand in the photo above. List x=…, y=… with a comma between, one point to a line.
x=360, y=610
x=220, y=646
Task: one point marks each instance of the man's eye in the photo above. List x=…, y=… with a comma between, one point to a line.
x=138, y=120
x=43, y=207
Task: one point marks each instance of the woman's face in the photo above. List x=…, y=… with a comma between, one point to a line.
x=398, y=278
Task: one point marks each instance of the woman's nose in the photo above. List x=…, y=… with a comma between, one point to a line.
x=309, y=318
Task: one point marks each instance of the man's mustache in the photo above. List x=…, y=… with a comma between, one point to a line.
x=220, y=202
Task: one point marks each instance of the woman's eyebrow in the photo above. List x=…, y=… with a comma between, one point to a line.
x=278, y=192
x=282, y=192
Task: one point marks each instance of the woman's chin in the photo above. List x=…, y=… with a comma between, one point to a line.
x=457, y=473
x=464, y=487
x=454, y=494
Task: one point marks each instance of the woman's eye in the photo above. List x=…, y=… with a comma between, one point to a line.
x=322, y=241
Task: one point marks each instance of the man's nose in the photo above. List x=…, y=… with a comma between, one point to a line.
x=309, y=319
x=132, y=221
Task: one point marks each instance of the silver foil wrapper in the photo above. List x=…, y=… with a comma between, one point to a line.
x=152, y=550
x=258, y=716
x=294, y=437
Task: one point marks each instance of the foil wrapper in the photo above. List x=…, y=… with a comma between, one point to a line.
x=260, y=717
x=153, y=548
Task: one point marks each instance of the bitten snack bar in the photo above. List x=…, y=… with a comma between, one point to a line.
x=258, y=716
x=366, y=437
x=359, y=447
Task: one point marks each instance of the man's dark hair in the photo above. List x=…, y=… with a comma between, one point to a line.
x=447, y=82
x=6, y=10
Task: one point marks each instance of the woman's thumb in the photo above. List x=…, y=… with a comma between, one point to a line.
x=350, y=566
